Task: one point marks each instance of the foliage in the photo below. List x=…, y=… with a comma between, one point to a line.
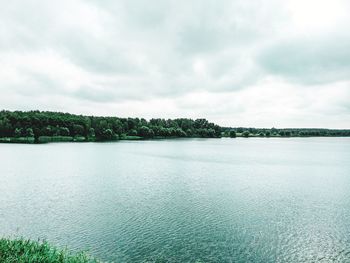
x=57, y=126
x=23, y=251
x=43, y=139
x=291, y=132
x=245, y=134
x=39, y=126
x=233, y=134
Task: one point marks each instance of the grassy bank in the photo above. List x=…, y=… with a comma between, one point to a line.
x=27, y=251
x=17, y=140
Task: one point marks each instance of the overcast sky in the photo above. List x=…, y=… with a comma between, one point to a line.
x=235, y=62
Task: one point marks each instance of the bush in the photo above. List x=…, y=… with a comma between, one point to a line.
x=78, y=138
x=44, y=139
x=23, y=251
x=245, y=134
x=232, y=134
x=18, y=139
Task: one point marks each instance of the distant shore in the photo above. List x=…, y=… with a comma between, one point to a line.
x=45, y=126
x=57, y=139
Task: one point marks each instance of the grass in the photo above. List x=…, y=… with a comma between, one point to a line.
x=27, y=251
x=17, y=139
x=44, y=139
x=130, y=137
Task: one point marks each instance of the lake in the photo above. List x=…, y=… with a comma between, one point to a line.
x=186, y=200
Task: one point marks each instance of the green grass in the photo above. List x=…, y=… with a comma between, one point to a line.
x=79, y=139
x=44, y=139
x=27, y=251
x=129, y=137
x=17, y=139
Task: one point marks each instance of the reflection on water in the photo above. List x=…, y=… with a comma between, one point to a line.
x=214, y=200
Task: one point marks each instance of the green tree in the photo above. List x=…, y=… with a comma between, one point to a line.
x=63, y=131
x=146, y=132
x=107, y=134
x=245, y=134
x=78, y=130
x=91, y=133
x=18, y=132
x=232, y=134
x=132, y=132
x=29, y=132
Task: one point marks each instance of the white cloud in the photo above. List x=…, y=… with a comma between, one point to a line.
x=238, y=62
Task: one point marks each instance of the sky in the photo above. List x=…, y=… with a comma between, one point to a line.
x=256, y=63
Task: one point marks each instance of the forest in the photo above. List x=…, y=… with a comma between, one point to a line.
x=46, y=126
x=286, y=132
x=40, y=126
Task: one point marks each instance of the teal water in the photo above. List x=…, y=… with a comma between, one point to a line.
x=200, y=200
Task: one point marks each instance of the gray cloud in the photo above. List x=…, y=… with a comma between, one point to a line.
x=310, y=61
x=126, y=54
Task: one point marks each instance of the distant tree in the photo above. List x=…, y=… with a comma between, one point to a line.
x=63, y=131
x=29, y=132
x=245, y=134
x=91, y=133
x=47, y=131
x=117, y=126
x=108, y=134
x=132, y=132
x=16, y=123
x=273, y=131
x=232, y=134
x=5, y=127
x=252, y=130
x=146, y=132
x=180, y=133
x=301, y=134
x=189, y=132
x=78, y=129
x=18, y=132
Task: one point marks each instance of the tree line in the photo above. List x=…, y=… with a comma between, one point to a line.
x=287, y=132
x=36, y=124
x=44, y=126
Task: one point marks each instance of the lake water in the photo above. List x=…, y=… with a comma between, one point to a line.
x=190, y=200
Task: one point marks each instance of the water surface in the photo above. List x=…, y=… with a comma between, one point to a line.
x=200, y=200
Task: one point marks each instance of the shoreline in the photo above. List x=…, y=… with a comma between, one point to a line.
x=31, y=140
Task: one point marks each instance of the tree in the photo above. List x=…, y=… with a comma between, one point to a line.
x=18, y=132
x=245, y=134
x=108, y=134
x=232, y=134
x=5, y=128
x=91, y=133
x=29, y=132
x=180, y=133
x=63, y=131
x=132, y=132
x=78, y=130
x=273, y=131
x=146, y=132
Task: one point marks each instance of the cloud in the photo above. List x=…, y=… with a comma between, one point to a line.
x=309, y=60
x=200, y=57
